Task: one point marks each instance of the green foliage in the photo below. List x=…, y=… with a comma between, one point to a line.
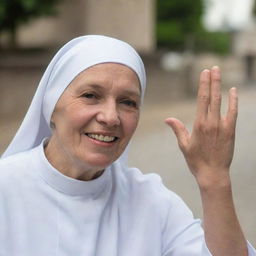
x=218, y=42
x=179, y=27
x=254, y=8
x=176, y=19
x=186, y=13
x=13, y=13
x=170, y=34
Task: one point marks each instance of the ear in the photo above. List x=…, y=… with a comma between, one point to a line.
x=52, y=123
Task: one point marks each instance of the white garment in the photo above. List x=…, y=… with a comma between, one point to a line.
x=121, y=213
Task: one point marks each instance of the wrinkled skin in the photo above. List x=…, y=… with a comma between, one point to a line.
x=208, y=150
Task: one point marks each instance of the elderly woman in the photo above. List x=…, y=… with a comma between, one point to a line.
x=65, y=188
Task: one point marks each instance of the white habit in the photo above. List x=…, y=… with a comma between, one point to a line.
x=121, y=213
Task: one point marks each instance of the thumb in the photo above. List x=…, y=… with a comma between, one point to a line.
x=180, y=131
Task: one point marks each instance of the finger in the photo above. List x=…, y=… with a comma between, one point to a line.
x=180, y=131
x=203, y=97
x=232, y=107
x=215, y=94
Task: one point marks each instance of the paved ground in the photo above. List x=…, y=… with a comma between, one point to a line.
x=154, y=147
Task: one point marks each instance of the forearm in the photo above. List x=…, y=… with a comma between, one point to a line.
x=223, y=233
x=208, y=151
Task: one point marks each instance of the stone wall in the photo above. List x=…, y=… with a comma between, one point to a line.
x=132, y=21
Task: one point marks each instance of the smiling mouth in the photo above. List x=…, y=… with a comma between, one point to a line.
x=100, y=137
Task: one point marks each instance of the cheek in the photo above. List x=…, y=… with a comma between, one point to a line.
x=79, y=116
x=130, y=123
x=68, y=122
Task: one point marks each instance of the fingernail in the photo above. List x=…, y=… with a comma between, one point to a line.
x=206, y=70
x=215, y=67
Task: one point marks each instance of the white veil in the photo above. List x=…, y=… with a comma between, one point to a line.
x=74, y=57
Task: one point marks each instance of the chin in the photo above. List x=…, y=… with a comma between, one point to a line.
x=98, y=162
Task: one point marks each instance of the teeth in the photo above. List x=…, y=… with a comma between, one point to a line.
x=101, y=137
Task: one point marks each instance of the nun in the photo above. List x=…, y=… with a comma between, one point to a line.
x=66, y=189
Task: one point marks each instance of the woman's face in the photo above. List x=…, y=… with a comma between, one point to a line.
x=95, y=118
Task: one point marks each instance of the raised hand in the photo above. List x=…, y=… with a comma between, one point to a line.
x=208, y=150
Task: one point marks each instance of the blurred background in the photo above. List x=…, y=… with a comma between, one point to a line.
x=176, y=39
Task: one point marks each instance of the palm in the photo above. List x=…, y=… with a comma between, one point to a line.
x=209, y=148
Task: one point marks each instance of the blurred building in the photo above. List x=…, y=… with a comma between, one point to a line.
x=132, y=21
x=244, y=46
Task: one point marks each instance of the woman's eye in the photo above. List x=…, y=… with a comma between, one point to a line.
x=89, y=95
x=130, y=103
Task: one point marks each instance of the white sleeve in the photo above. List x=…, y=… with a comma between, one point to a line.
x=206, y=252
x=251, y=250
x=183, y=235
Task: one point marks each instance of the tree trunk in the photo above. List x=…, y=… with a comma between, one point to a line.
x=13, y=37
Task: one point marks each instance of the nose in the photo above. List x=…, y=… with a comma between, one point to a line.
x=108, y=115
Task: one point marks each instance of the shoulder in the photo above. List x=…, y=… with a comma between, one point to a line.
x=15, y=165
x=145, y=195
x=148, y=188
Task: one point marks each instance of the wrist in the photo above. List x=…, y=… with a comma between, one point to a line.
x=213, y=179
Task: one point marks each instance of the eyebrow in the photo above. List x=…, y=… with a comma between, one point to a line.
x=130, y=92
